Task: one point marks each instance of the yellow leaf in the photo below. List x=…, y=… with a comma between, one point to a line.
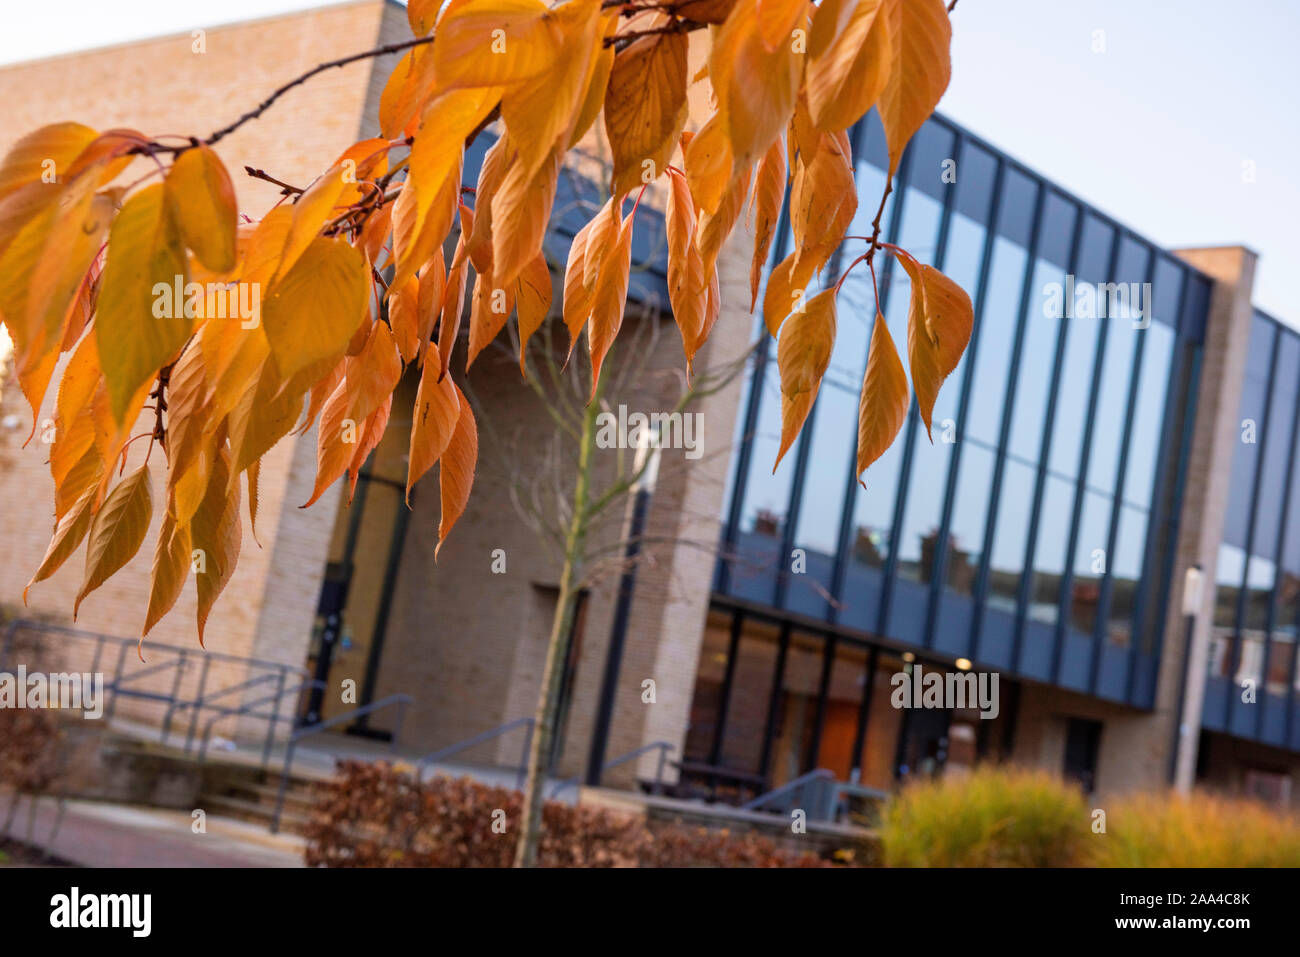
x=215, y=535
x=577, y=296
x=413, y=247
x=187, y=396
x=823, y=199
x=70, y=249
x=200, y=191
x=920, y=36
x=489, y=310
x=313, y=310
x=755, y=87
x=437, y=408
x=593, y=99
x=542, y=113
x=848, y=62
x=456, y=473
x=802, y=355
x=404, y=317
x=495, y=42
x=777, y=20
x=252, y=473
x=322, y=201
x=882, y=406
x=709, y=161
x=769, y=193
x=715, y=227
x=171, y=566
x=433, y=283
x=533, y=301
x=453, y=295
x=368, y=379
x=645, y=104
x=68, y=534
x=497, y=161
x=521, y=208
x=939, y=323
x=117, y=531
x=422, y=15
x=135, y=335
x=436, y=160
x=781, y=296
x=706, y=11
x=43, y=153
x=408, y=86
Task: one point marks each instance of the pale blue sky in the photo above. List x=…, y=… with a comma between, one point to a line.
x=1156, y=130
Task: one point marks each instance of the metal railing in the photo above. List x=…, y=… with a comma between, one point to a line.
x=179, y=698
x=817, y=793
x=400, y=700
x=663, y=746
x=480, y=738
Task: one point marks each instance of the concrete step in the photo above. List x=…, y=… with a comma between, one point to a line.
x=292, y=820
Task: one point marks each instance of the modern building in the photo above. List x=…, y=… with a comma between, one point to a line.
x=1121, y=416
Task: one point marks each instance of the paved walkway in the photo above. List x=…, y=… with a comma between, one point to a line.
x=111, y=835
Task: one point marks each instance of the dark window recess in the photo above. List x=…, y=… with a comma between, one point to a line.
x=566, y=681
x=1082, y=741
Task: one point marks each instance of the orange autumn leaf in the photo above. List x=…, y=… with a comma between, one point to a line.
x=920, y=67
x=769, y=194
x=802, y=354
x=939, y=323
x=456, y=471
x=117, y=531
x=532, y=302
x=882, y=405
x=216, y=537
x=437, y=407
x=687, y=288
x=645, y=105
x=849, y=57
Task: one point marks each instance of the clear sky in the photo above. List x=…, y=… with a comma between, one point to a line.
x=1156, y=112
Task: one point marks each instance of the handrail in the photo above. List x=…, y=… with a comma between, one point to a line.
x=821, y=774
x=479, y=738
x=401, y=700
x=247, y=709
x=183, y=658
x=663, y=746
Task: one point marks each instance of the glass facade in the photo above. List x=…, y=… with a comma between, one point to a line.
x=1252, y=681
x=1033, y=534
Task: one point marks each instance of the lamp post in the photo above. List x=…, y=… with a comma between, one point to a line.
x=1182, y=762
x=646, y=468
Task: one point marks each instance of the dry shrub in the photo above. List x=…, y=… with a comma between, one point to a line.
x=1202, y=830
x=992, y=817
x=375, y=815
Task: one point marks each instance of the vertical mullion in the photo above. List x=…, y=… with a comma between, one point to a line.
x=724, y=699
x=1064, y=600
x=1044, y=450
x=774, y=697
x=829, y=646
x=1100, y=631
x=940, y=575
x=864, y=709
x=1260, y=455
x=1004, y=432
